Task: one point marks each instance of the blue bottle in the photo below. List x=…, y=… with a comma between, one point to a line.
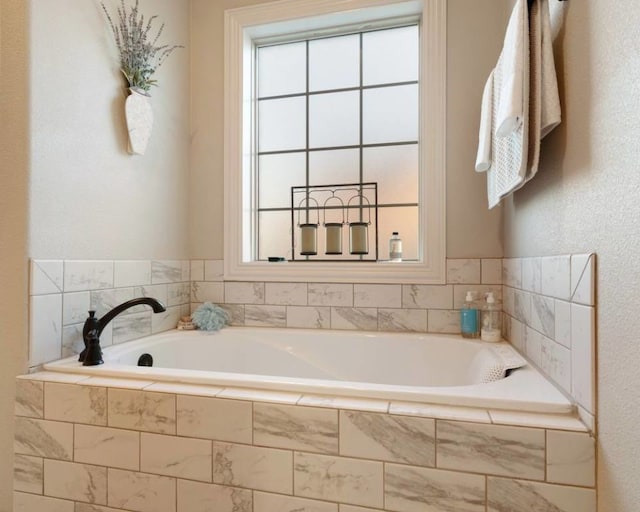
x=469, y=318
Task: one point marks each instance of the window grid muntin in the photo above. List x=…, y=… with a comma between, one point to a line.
x=307, y=94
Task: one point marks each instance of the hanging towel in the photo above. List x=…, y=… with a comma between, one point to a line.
x=509, y=115
x=509, y=152
x=483, y=160
x=551, y=114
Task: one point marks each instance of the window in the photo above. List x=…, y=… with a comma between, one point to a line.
x=338, y=110
x=314, y=96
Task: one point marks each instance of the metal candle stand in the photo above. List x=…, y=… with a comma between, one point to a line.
x=356, y=205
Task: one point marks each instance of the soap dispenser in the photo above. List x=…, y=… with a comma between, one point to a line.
x=469, y=317
x=491, y=320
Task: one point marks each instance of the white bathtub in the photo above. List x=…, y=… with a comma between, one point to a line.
x=411, y=367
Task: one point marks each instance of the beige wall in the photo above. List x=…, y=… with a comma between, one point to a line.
x=13, y=225
x=472, y=50
x=89, y=199
x=587, y=198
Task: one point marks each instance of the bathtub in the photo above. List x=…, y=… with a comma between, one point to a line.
x=410, y=367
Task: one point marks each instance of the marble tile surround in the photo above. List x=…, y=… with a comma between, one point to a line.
x=332, y=455
x=549, y=308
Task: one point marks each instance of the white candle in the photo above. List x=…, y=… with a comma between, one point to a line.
x=359, y=239
x=308, y=239
x=333, y=234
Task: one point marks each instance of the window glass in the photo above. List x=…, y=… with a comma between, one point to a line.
x=390, y=56
x=390, y=114
x=334, y=63
x=334, y=119
x=277, y=174
x=281, y=124
x=281, y=69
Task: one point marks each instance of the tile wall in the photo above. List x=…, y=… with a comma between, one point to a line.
x=550, y=314
x=86, y=444
x=61, y=293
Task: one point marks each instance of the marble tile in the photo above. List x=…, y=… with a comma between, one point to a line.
x=543, y=315
x=28, y=473
x=336, y=402
x=358, y=482
x=265, y=316
x=212, y=418
x=141, y=410
x=401, y=439
x=411, y=489
x=243, y=293
x=81, y=482
x=156, y=291
x=506, y=327
x=296, y=428
x=354, y=319
x=522, y=306
x=309, y=317
x=23, y=502
x=583, y=356
x=556, y=363
x=265, y=502
x=508, y=300
x=115, y=382
x=73, y=342
x=402, y=320
x=87, y=275
x=131, y=327
x=103, y=301
x=426, y=296
x=46, y=276
x=583, y=289
x=178, y=294
x=540, y=420
x=377, y=295
x=556, y=277
x=262, y=469
x=512, y=272
x=29, y=398
x=441, y=412
x=533, y=344
x=516, y=334
x=75, y=307
x=460, y=293
x=166, y=271
x=532, y=275
x=200, y=497
x=176, y=456
x=286, y=294
x=493, y=449
x=107, y=446
x=504, y=495
x=166, y=320
x=78, y=404
x=197, y=270
x=350, y=508
x=202, y=291
x=89, y=507
x=463, y=271
x=571, y=458
x=563, y=323
x=47, y=376
x=491, y=271
x=330, y=294
x=43, y=438
x=184, y=389
x=45, y=328
x=140, y=492
x=236, y=313
x=260, y=395
x=443, y=322
x=132, y=273
x=214, y=270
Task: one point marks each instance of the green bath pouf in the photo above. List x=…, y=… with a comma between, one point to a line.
x=209, y=317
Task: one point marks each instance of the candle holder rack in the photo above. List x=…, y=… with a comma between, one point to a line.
x=319, y=214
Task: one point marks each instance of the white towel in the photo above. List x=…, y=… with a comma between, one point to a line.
x=551, y=115
x=483, y=159
x=510, y=114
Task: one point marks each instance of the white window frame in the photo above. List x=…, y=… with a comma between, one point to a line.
x=244, y=26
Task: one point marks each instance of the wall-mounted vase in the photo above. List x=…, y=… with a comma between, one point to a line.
x=139, y=117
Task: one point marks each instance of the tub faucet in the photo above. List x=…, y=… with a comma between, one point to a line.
x=93, y=327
